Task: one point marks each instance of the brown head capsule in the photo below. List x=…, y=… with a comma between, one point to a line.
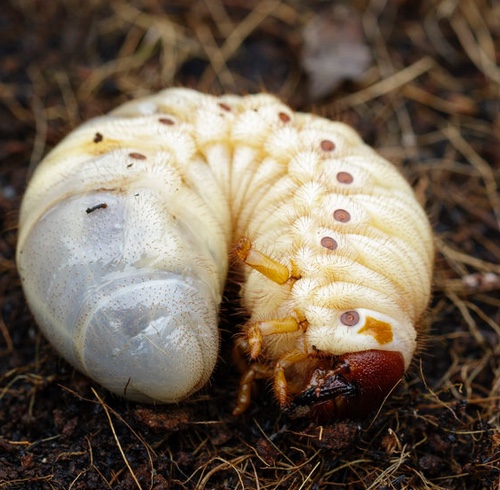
x=348, y=386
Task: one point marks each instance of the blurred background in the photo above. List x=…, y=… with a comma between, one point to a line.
x=420, y=81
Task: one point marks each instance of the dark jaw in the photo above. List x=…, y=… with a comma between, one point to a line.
x=348, y=386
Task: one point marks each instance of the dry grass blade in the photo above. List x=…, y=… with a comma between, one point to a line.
x=118, y=444
x=387, y=85
x=481, y=165
x=218, y=57
x=472, y=31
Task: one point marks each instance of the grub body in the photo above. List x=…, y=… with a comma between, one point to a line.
x=174, y=181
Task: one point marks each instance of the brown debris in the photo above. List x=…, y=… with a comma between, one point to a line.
x=334, y=48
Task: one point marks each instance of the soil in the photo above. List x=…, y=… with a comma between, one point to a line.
x=428, y=99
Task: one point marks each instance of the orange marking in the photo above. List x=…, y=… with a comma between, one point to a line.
x=100, y=145
x=380, y=331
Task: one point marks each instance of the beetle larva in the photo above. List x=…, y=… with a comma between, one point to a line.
x=127, y=226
